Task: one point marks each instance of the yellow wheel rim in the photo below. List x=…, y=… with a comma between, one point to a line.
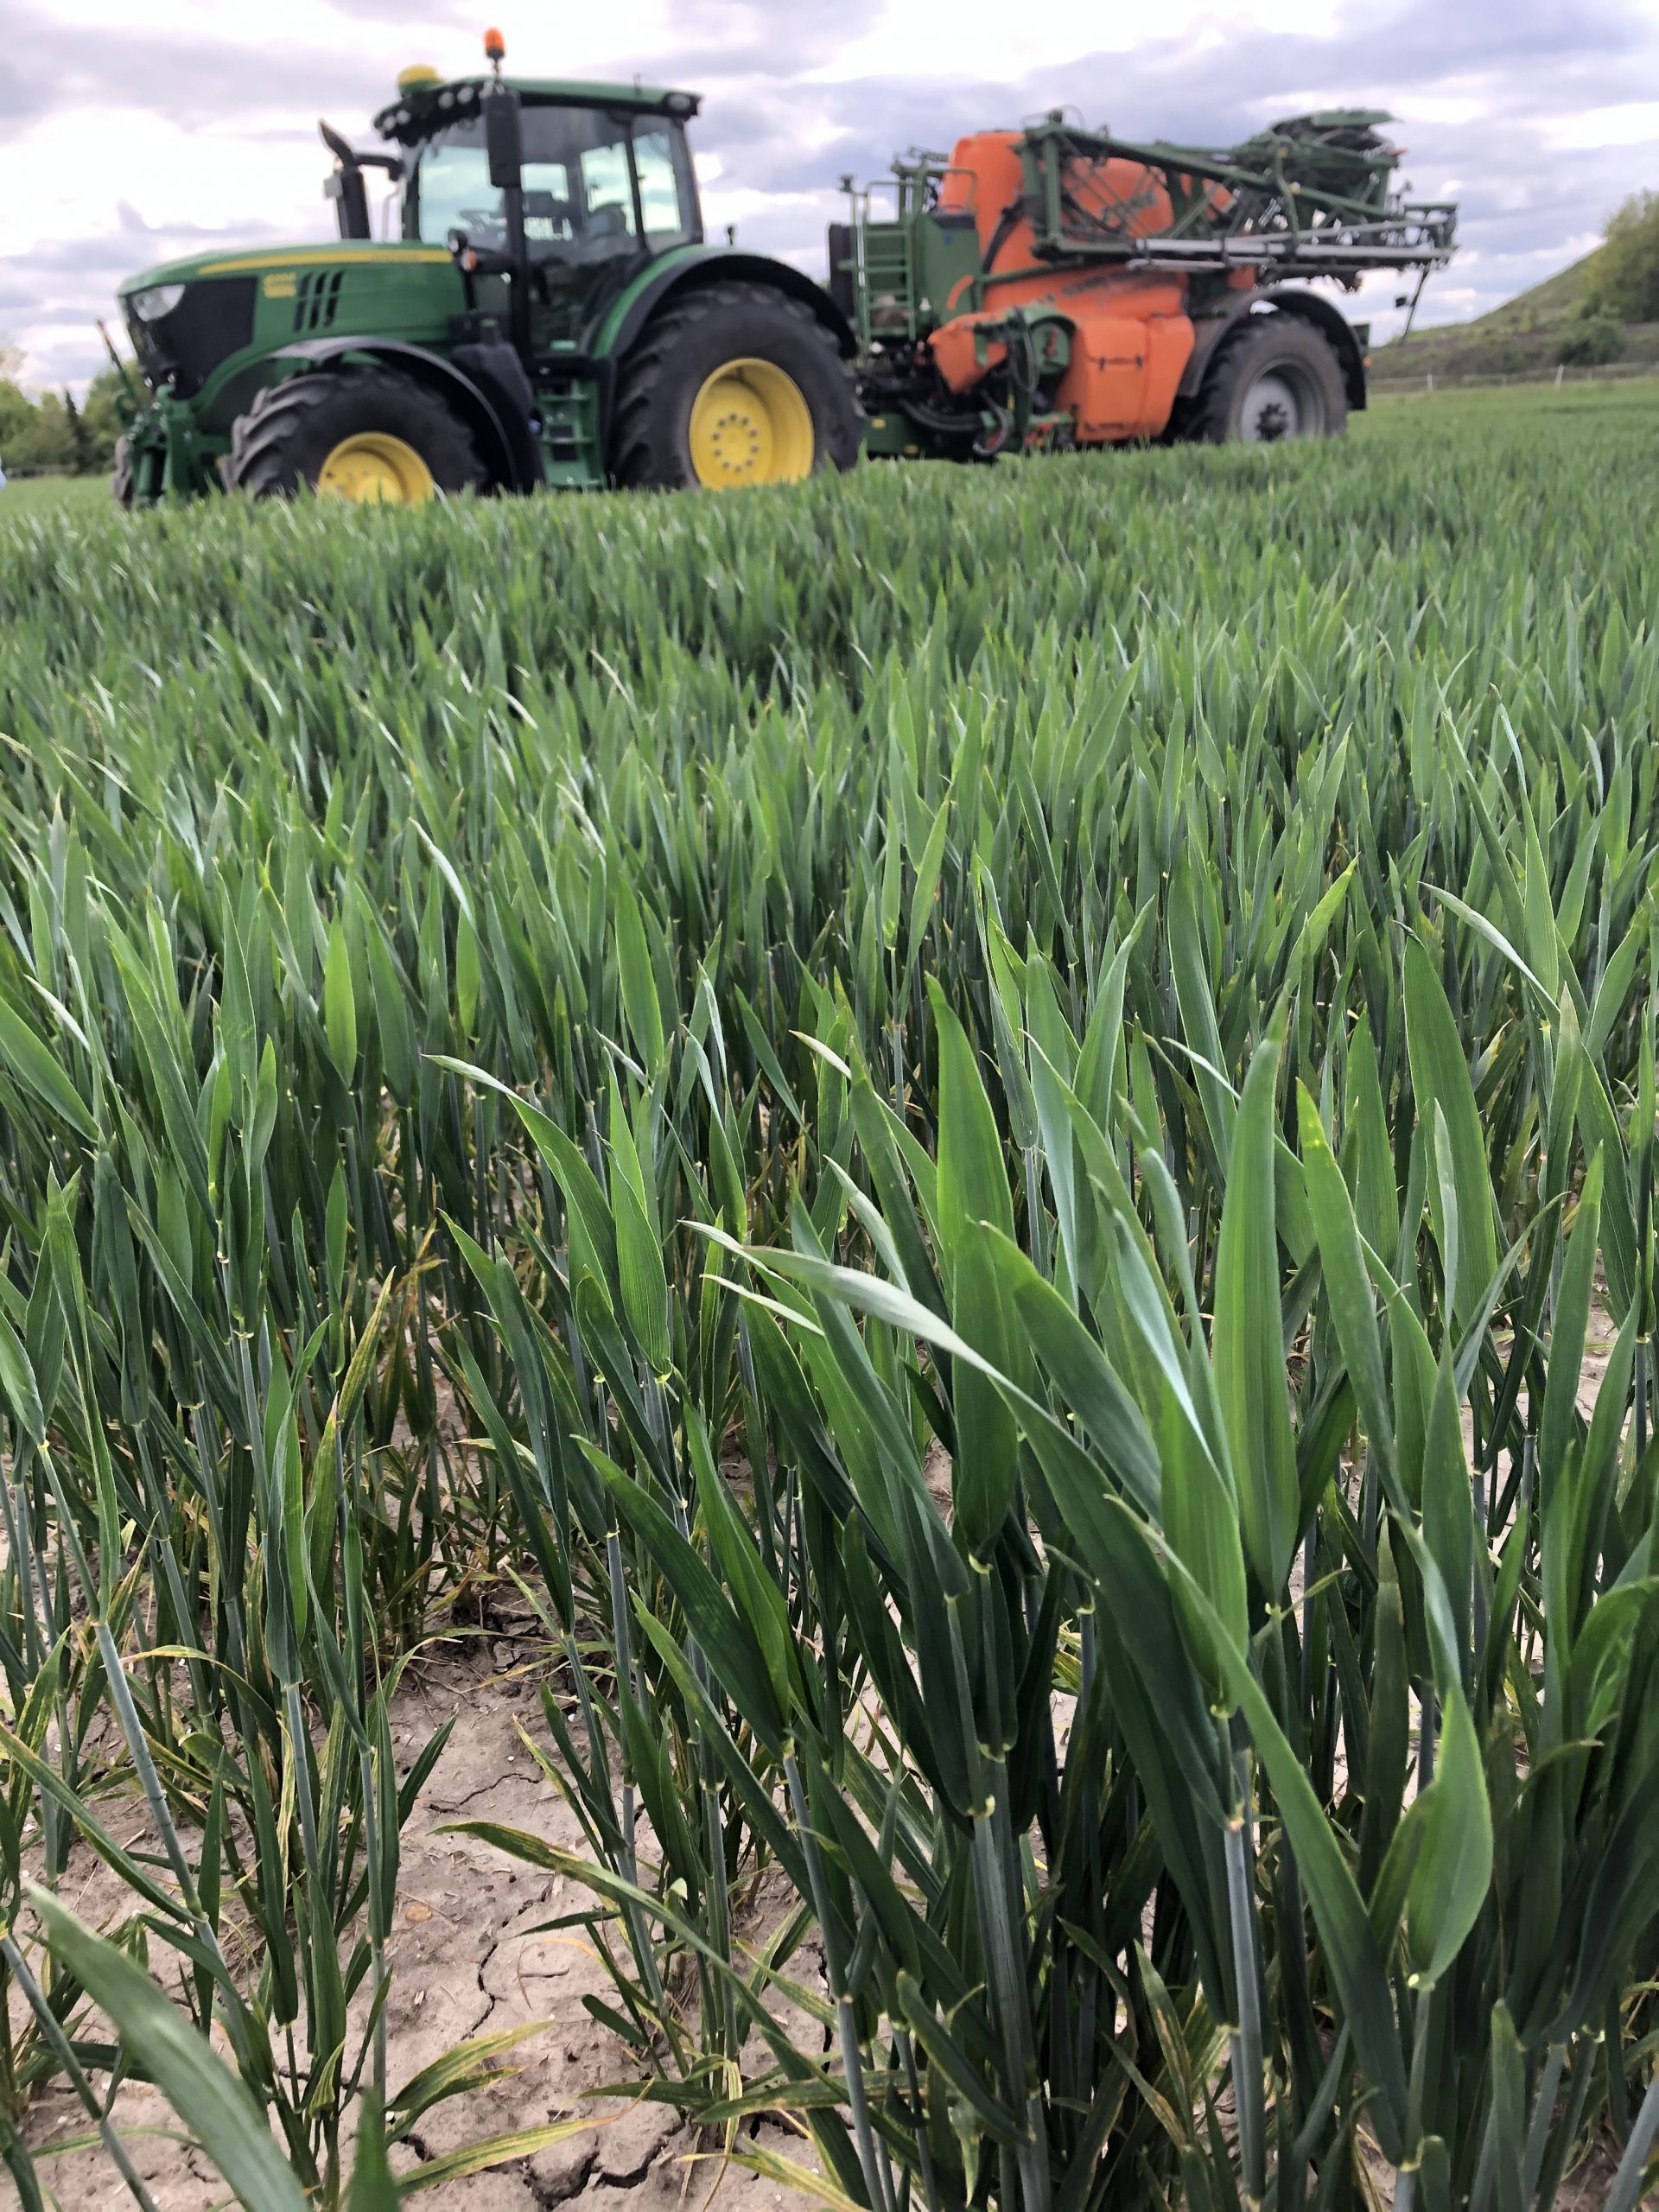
x=751, y=425
x=373, y=469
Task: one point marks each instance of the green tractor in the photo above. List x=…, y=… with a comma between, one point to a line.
x=549, y=313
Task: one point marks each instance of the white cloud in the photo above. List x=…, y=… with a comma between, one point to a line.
x=991, y=39
x=1631, y=123
x=200, y=115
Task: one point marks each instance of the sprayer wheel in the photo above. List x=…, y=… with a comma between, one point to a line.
x=1273, y=377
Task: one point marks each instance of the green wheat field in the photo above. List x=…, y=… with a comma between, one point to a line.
x=986, y=1138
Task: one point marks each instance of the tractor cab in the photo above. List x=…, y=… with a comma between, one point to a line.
x=559, y=192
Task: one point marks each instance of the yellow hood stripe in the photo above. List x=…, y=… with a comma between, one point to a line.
x=308, y=256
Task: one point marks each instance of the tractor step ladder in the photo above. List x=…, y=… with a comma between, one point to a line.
x=889, y=290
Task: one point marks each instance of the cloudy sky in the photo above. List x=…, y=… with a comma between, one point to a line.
x=135, y=131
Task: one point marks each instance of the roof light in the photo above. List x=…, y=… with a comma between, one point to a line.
x=495, y=49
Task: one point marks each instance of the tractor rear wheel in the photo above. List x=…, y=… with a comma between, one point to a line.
x=1273, y=377
x=121, y=475
x=733, y=385
x=369, y=435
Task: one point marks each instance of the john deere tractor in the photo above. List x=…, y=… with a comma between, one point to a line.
x=548, y=312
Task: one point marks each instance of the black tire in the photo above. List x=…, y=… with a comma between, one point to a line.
x=697, y=334
x=280, y=445
x=1272, y=377
x=121, y=475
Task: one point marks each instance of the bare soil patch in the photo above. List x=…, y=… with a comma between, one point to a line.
x=463, y=1964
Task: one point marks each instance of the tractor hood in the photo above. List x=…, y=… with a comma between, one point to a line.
x=186, y=318
x=256, y=261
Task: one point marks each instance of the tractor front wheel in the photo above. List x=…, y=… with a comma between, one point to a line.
x=1273, y=377
x=369, y=435
x=733, y=385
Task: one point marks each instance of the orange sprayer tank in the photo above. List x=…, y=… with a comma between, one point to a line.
x=1133, y=337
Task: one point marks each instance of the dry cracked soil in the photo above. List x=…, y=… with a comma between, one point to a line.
x=464, y=1963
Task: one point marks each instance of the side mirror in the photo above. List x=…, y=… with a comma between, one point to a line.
x=504, y=140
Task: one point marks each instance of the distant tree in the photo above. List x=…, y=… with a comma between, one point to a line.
x=81, y=442
x=57, y=431
x=1626, y=280
x=16, y=421
x=108, y=385
x=47, y=441
x=101, y=416
x=16, y=407
x=1589, y=337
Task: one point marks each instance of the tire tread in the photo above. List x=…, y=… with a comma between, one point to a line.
x=641, y=384
x=1210, y=421
x=261, y=462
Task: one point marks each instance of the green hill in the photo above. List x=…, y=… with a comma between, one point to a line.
x=1547, y=306
x=1521, y=337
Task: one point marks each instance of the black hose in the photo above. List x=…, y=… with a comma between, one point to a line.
x=999, y=238
x=938, y=419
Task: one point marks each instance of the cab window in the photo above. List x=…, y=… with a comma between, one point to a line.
x=607, y=193
x=455, y=194
x=582, y=166
x=659, y=184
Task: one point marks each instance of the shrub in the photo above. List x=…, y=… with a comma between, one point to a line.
x=1591, y=338
x=1626, y=277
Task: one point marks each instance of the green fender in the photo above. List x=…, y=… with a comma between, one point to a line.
x=677, y=272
